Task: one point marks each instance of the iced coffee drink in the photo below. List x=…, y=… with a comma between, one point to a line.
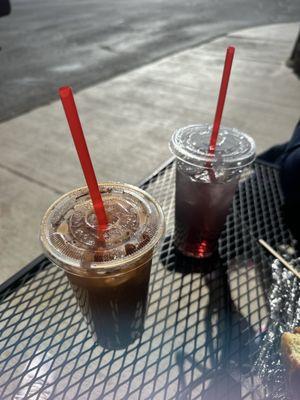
x=108, y=270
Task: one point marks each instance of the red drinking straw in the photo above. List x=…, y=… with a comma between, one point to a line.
x=221, y=99
x=69, y=105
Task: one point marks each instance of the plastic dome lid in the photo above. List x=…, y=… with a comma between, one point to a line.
x=71, y=239
x=234, y=149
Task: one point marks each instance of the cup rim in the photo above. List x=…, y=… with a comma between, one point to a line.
x=211, y=161
x=73, y=265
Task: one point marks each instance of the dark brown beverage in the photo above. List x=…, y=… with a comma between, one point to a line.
x=108, y=271
x=115, y=307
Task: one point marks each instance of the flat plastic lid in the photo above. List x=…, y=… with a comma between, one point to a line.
x=234, y=148
x=71, y=239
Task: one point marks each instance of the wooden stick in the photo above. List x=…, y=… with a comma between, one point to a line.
x=279, y=257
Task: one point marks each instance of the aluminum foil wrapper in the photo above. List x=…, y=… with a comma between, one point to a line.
x=284, y=302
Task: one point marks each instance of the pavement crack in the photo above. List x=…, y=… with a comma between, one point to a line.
x=30, y=179
x=108, y=48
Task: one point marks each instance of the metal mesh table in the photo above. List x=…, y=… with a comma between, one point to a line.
x=204, y=321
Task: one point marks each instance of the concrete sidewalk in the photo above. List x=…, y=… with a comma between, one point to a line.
x=128, y=122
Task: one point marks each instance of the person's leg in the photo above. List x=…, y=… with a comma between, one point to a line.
x=294, y=60
x=5, y=8
x=274, y=154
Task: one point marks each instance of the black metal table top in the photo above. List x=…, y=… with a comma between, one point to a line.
x=203, y=326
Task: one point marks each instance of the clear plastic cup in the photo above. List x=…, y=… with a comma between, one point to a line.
x=205, y=184
x=109, y=272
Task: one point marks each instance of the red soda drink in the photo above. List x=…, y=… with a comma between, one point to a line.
x=205, y=184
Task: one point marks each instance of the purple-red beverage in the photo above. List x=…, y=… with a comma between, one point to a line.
x=200, y=214
x=205, y=184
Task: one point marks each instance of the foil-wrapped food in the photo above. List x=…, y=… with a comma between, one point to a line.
x=276, y=369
